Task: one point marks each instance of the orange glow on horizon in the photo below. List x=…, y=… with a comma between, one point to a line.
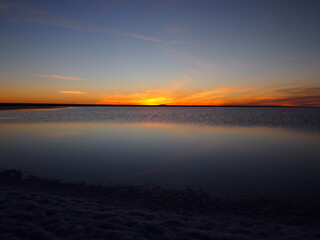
x=71, y=92
x=245, y=96
x=154, y=101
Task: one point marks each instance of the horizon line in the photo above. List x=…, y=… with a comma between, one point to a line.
x=140, y=105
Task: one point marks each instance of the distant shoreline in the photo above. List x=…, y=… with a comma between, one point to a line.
x=44, y=106
x=29, y=108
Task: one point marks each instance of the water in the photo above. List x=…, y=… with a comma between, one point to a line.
x=227, y=151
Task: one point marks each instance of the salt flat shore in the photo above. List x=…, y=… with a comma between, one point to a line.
x=36, y=208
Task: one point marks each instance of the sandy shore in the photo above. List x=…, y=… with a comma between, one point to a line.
x=34, y=208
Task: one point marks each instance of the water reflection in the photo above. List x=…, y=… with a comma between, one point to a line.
x=62, y=134
x=227, y=161
x=289, y=118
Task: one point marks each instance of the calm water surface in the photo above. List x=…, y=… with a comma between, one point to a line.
x=227, y=151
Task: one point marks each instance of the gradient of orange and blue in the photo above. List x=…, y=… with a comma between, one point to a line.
x=186, y=52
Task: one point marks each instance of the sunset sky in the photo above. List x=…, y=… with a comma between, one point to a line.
x=185, y=52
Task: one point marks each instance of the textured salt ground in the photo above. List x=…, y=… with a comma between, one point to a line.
x=35, y=208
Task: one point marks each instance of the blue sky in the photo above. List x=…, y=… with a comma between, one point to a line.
x=153, y=52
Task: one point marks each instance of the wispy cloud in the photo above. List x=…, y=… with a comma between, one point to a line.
x=174, y=96
x=148, y=97
x=71, y=92
x=281, y=101
x=132, y=35
x=298, y=91
x=303, y=95
x=18, y=12
x=55, y=76
x=232, y=95
x=205, y=96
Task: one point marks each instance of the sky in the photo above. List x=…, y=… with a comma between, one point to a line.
x=150, y=52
